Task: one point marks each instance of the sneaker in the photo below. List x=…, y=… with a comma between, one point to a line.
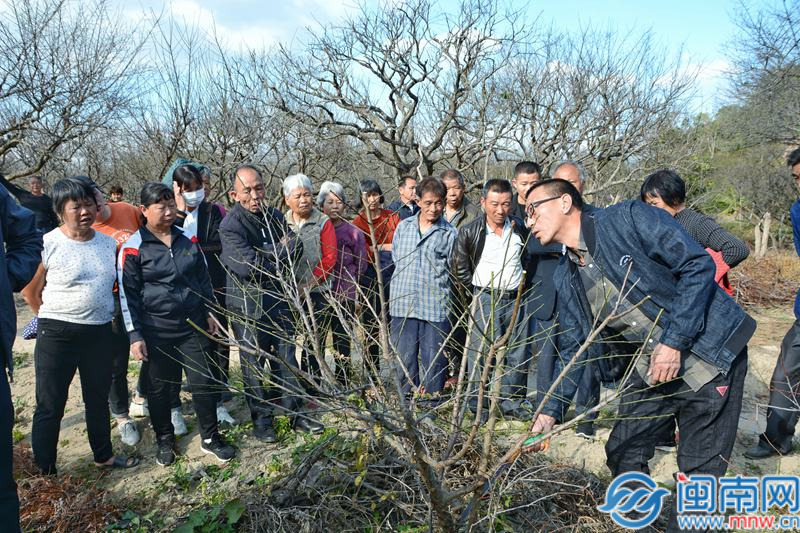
x=223, y=416
x=585, y=430
x=138, y=410
x=166, y=453
x=129, y=433
x=178, y=423
x=217, y=447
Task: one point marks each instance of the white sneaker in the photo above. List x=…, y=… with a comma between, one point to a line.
x=129, y=432
x=138, y=410
x=178, y=423
x=224, y=417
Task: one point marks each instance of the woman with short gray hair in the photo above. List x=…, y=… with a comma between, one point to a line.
x=351, y=263
x=315, y=230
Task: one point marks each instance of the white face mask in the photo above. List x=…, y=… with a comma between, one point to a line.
x=194, y=198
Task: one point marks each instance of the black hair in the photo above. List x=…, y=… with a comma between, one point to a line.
x=67, y=189
x=116, y=189
x=245, y=166
x=559, y=187
x=527, y=167
x=403, y=179
x=368, y=187
x=452, y=174
x=667, y=185
x=431, y=184
x=496, y=185
x=154, y=192
x=86, y=180
x=793, y=157
x=35, y=177
x=185, y=174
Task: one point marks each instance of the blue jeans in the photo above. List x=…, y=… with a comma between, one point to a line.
x=492, y=317
x=420, y=346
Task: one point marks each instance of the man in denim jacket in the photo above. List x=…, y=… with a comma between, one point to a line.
x=634, y=267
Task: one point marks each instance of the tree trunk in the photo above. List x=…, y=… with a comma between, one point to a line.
x=762, y=235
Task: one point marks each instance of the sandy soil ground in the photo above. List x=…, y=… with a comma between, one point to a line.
x=146, y=483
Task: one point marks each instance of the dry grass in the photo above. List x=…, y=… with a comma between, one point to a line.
x=61, y=503
x=769, y=282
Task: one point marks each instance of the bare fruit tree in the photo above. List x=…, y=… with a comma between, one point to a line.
x=66, y=69
x=599, y=97
x=766, y=75
x=412, y=88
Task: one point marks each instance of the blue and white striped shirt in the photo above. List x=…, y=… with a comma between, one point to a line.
x=421, y=281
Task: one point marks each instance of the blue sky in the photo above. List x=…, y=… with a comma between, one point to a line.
x=701, y=27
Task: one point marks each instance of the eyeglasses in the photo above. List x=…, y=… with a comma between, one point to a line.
x=530, y=209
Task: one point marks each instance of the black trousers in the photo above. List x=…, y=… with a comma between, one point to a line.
x=322, y=323
x=120, y=351
x=166, y=359
x=62, y=348
x=588, y=394
x=707, y=420
x=219, y=363
x=784, y=394
x=372, y=313
x=342, y=333
x=456, y=344
x=273, y=333
x=9, y=501
x=545, y=339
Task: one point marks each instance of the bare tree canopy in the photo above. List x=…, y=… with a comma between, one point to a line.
x=65, y=68
x=599, y=97
x=766, y=78
x=414, y=89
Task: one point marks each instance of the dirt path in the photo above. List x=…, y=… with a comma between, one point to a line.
x=148, y=483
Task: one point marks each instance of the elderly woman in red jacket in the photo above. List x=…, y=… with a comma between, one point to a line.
x=312, y=270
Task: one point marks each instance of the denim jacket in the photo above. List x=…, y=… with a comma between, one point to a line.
x=667, y=266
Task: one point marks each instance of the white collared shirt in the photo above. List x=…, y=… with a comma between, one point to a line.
x=190, y=224
x=500, y=265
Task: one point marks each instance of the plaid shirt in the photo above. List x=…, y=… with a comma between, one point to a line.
x=421, y=280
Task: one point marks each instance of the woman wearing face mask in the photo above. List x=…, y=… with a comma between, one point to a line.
x=201, y=219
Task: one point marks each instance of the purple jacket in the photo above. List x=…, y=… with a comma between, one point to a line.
x=351, y=260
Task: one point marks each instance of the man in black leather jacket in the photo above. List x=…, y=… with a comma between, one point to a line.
x=489, y=262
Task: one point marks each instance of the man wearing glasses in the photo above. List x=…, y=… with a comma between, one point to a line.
x=693, y=337
x=784, y=387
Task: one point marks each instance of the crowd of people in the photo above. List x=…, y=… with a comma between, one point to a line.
x=533, y=266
